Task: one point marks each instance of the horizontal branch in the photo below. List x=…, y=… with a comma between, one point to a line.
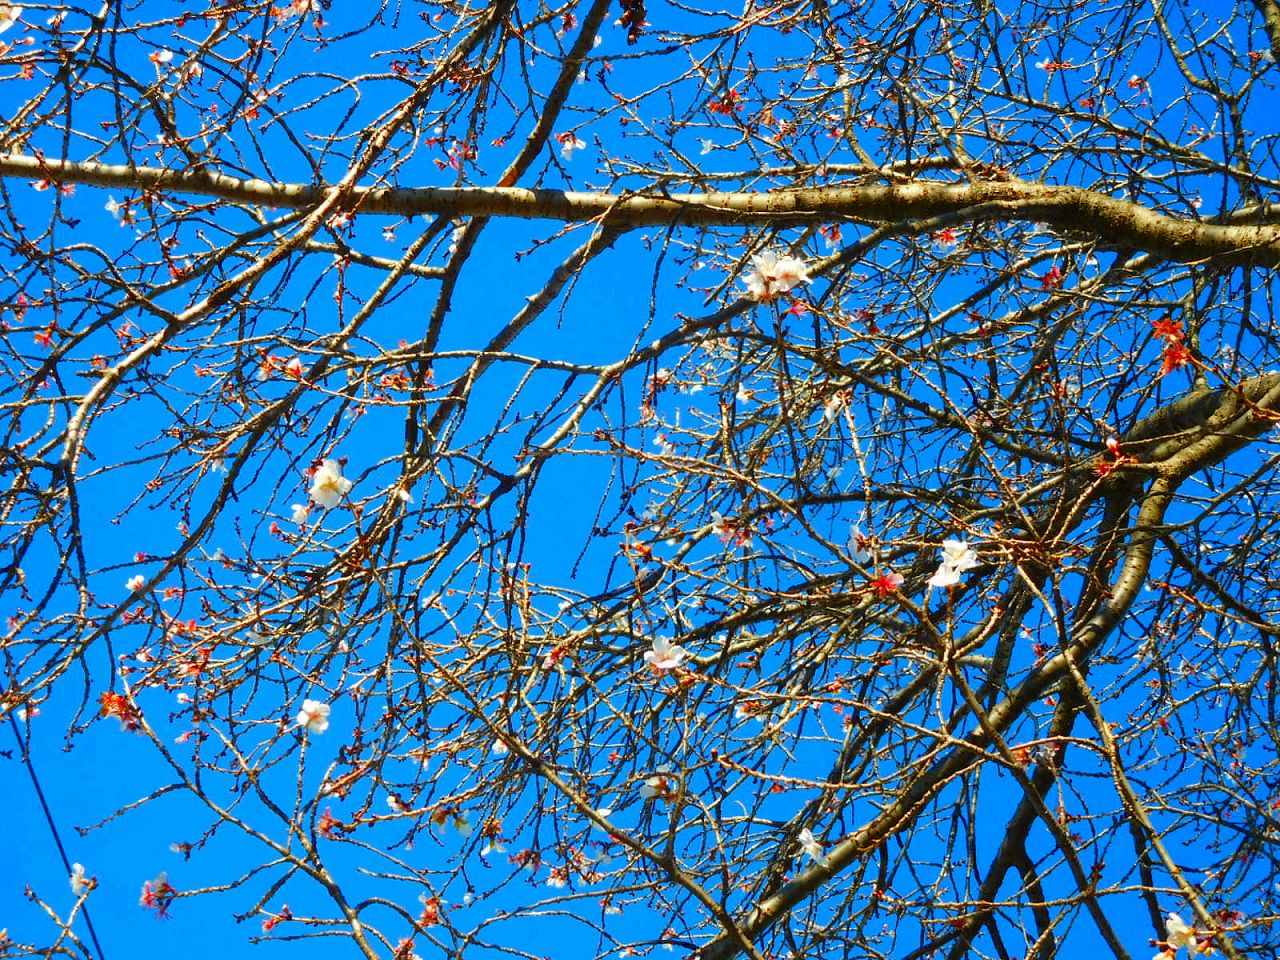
x=1095, y=214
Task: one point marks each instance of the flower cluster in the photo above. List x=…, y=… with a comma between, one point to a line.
x=957, y=557
x=734, y=532
x=115, y=705
x=729, y=103
x=271, y=364
x=774, y=275
x=296, y=8
x=273, y=920
x=329, y=826
x=1175, y=353
x=451, y=814
x=157, y=894
x=1104, y=468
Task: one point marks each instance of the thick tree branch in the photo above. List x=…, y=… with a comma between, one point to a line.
x=1065, y=208
x=1270, y=11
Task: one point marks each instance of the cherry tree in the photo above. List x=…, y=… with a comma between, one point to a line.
x=795, y=481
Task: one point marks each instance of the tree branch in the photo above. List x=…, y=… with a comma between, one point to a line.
x=1270, y=11
x=1064, y=208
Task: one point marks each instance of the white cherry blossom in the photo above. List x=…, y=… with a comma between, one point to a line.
x=811, y=846
x=859, y=547
x=957, y=558
x=945, y=576
x=328, y=485
x=80, y=884
x=773, y=275
x=569, y=144
x=1178, y=934
x=659, y=785
x=958, y=554
x=314, y=716
x=665, y=655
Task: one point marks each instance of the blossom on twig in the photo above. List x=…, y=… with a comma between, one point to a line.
x=665, y=655
x=157, y=894
x=1177, y=933
x=328, y=485
x=80, y=884
x=812, y=847
x=658, y=786
x=314, y=716
x=774, y=275
x=957, y=558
